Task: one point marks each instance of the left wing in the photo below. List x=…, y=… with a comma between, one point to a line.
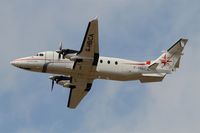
x=80, y=89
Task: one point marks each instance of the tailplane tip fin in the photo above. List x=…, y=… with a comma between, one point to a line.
x=153, y=66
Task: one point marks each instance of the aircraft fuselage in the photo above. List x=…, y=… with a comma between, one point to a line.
x=107, y=68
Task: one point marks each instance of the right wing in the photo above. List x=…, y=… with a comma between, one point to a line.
x=90, y=45
x=88, y=56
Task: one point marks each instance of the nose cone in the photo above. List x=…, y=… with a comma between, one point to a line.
x=13, y=63
x=21, y=63
x=17, y=63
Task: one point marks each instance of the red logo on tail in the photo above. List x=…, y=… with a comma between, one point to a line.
x=165, y=60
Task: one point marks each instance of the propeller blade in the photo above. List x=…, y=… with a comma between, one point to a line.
x=60, y=51
x=60, y=46
x=63, y=56
x=59, y=56
x=52, y=85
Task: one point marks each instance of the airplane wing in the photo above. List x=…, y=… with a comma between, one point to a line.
x=79, y=87
x=82, y=87
x=88, y=55
x=90, y=45
x=85, y=65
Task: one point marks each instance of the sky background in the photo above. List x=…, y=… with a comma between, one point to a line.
x=133, y=29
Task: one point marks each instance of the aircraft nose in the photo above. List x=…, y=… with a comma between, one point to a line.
x=14, y=63
x=21, y=63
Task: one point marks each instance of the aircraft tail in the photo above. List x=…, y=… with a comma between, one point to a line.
x=170, y=59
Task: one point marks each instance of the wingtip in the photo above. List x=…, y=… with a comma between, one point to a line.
x=94, y=19
x=185, y=40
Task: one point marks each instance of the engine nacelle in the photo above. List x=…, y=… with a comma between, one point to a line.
x=68, y=53
x=69, y=85
x=69, y=56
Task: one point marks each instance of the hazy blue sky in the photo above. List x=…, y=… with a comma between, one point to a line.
x=133, y=29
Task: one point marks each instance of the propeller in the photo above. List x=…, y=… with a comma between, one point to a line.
x=57, y=79
x=53, y=78
x=60, y=51
x=64, y=52
x=52, y=85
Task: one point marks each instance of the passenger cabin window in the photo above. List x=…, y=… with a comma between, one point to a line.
x=116, y=62
x=108, y=62
x=101, y=61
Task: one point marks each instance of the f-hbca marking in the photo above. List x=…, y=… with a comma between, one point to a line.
x=90, y=39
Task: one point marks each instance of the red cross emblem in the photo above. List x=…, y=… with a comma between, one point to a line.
x=165, y=60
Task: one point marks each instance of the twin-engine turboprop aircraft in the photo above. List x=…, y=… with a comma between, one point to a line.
x=77, y=69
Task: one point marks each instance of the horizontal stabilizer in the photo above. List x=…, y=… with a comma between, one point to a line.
x=146, y=78
x=153, y=66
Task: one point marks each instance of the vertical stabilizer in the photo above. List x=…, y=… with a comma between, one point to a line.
x=170, y=59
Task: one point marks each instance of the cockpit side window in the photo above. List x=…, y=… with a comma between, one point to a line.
x=40, y=54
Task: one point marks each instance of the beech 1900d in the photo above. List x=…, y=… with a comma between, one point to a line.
x=77, y=70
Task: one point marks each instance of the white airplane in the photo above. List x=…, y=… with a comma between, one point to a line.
x=77, y=69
